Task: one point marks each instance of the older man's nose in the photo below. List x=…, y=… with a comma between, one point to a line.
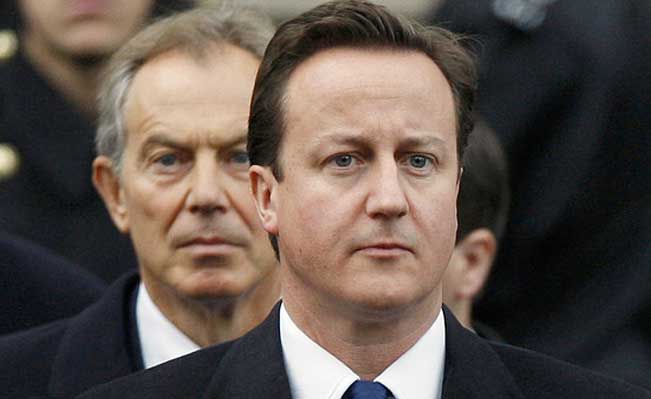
x=386, y=196
x=207, y=190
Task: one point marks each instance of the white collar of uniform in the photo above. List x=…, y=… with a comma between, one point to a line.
x=315, y=373
x=160, y=340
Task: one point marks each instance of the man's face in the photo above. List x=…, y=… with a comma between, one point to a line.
x=366, y=212
x=184, y=194
x=83, y=28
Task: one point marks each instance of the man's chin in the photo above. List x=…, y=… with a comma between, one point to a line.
x=211, y=290
x=380, y=306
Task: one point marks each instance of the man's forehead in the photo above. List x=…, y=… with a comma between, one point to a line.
x=362, y=66
x=360, y=87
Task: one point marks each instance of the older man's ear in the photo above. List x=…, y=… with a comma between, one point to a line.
x=264, y=188
x=107, y=184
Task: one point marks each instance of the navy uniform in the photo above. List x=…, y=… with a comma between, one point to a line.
x=46, y=192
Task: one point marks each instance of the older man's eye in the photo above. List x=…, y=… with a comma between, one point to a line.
x=343, y=160
x=169, y=163
x=167, y=160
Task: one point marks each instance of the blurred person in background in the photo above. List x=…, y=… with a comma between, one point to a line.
x=173, y=171
x=567, y=87
x=482, y=211
x=48, y=89
x=37, y=286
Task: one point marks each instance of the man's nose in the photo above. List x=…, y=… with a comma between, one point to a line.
x=386, y=195
x=207, y=190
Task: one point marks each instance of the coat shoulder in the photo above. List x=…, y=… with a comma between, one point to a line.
x=543, y=377
x=179, y=378
x=27, y=358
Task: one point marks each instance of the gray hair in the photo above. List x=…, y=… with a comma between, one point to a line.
x=192, y=32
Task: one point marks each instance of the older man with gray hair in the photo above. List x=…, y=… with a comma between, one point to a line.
x=173, y=173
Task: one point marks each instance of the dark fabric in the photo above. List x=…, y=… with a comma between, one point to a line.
x=37, y=286
x=67, y=357
x=51, y=200
x=570, y=101
x=487, y=332
x=253, y=367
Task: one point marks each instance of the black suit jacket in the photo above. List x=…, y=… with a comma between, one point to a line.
x=67, y=357
x=253, y=367
x=37, y=286
x=51, y=199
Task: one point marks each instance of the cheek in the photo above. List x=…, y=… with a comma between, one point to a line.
x=245, y=208
x=437, y=218
x=153, y=208
x=313, y=211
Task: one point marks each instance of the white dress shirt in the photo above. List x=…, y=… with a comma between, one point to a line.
x=315, y=373
x=160, y=340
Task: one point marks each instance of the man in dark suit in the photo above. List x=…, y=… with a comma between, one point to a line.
x=566, y=86
x=172, y=171
x=37, y=286
x=358, y=122
x=48, y=111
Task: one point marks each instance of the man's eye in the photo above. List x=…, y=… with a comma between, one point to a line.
x=343, y=161
x=167, y=160
x=240, y=157
x=419, y=161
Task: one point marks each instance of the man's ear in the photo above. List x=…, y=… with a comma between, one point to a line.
x=264, y=188
x=478, y=250
x=107, y=183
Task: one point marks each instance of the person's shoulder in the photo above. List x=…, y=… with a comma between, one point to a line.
x=184, y=377
x=41, y=286
x=543, y=377
x=27, y=358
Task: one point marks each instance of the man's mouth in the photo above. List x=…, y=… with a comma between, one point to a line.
x=207, y=246
x=385, y=250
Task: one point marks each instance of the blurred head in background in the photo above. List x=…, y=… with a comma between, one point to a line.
x=482, y=207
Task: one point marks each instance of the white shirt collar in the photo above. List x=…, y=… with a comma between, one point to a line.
x=315, y=373
x=160, y=340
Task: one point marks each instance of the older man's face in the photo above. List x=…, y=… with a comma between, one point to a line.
x=183, y=193
x=366, y=212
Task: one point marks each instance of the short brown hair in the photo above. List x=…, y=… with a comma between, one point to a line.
x=350, y=23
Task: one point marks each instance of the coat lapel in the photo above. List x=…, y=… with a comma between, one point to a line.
x=254, y=366
x=473, y=370
x=107, y=324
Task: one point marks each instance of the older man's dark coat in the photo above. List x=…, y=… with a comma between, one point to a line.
x=253, y=367
x=67, y=357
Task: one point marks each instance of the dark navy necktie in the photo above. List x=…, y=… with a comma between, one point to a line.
x=366, y=390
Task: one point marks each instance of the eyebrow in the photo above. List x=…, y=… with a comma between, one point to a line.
x=357, y=140
x=163, y=140
x=238, y=139
x=423, y=141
